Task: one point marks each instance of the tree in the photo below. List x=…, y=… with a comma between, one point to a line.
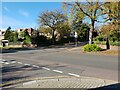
x=110, y=30
x=83, y=32
x=52, y=19
x=112, y=11
x=27, y=37
x=64, y=29
x=14, y=36
x=8, y=34
x=91, y=10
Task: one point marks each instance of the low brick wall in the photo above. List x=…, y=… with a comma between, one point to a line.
x=111, y=47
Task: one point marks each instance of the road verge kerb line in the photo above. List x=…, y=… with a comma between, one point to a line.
x=74, y=74
x=45, y=68
x=58, y=71
x=30, y=82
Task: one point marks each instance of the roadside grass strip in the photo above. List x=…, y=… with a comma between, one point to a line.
x=74, y=74
x=57, y=71
x=45, y=68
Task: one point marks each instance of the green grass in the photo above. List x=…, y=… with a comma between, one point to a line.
x=111, y=43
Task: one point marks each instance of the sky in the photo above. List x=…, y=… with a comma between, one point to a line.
x=25, y=14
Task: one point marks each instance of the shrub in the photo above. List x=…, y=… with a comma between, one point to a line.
x=91, y=47
x=99, y=38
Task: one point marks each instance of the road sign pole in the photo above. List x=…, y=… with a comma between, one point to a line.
x=76, y=39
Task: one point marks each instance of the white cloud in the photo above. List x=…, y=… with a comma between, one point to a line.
x=24, y=13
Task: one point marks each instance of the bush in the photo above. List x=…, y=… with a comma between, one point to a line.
x=99, y=38
x=91, y=47
x=39, y=40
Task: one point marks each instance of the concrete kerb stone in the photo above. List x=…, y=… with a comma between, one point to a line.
x=36, y=82
x=85, y=82
x=50, y=80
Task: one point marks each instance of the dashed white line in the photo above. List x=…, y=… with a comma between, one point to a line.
x=58, y=71
x=74, y=74
x=3, y=60
x=7, y=63
x=27, y=64
x=13, y=62
x=19, y=62
x=35, y=66
x=45, y=68
x=30, y=82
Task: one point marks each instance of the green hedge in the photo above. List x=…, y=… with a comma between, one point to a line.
x=91, y=47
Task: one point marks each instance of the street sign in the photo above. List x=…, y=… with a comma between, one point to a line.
x=75, y=35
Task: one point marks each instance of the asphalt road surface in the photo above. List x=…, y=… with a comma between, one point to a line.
x=57, y=62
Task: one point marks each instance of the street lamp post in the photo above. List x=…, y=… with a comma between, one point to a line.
x=76, y=36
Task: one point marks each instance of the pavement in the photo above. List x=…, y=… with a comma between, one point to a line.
x=58, y=67
x=69, y=82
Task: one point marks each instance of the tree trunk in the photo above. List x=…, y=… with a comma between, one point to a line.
x=91, y=33
x=53, y=37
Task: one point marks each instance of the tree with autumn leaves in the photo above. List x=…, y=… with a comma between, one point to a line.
x=94, y=11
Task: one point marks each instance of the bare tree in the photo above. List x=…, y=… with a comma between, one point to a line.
x=52, y=19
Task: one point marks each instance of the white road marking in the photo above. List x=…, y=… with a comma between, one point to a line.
x=7, y=63
x=45, y=68
x=13, y=62
x=30, y=82
x=35, y=66
x=74, y=74
x=1, y=62
x=19, y=62
x=58, y=71
x=27, y=64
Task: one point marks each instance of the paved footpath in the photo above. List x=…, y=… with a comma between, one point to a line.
x=70, y=82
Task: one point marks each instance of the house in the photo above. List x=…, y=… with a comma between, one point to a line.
x=29, y=30
x=2, y=41
x=1, y=35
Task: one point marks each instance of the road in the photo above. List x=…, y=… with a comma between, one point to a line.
x=57, y=62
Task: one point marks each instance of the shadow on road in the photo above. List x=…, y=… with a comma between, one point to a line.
x=109, y=87
x=14, y=50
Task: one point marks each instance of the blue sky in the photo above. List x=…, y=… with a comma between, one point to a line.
x=25, y=14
